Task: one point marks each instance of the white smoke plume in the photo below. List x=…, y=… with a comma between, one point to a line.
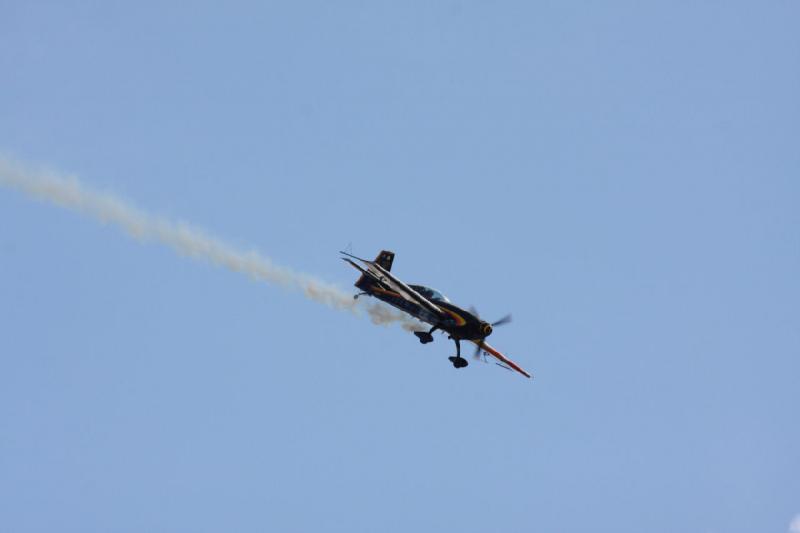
x=794, y=525
x=68, y=192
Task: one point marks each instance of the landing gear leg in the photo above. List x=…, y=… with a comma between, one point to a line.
x=457, y=360
x=426, y=336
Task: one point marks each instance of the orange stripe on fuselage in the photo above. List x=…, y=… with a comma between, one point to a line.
x=384, y=291
x=460, y=321
x=458, y=318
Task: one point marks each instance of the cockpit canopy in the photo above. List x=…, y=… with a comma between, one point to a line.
x=430, y=294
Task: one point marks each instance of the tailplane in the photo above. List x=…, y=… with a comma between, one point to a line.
x=367, y=280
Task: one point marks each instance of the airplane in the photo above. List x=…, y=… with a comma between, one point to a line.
x=429, y=306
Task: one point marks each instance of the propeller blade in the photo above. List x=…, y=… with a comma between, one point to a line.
x=478, y=350
x=505, y=320
x=474, y=311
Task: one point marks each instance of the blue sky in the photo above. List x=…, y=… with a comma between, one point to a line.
x=622, y=177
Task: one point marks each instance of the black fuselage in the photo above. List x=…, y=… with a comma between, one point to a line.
x=458, y=323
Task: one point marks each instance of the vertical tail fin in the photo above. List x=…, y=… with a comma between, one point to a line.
x=385, y=259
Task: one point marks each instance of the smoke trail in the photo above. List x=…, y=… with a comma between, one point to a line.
x=68, y=192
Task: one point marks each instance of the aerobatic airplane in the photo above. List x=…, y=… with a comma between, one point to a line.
x=429, y=306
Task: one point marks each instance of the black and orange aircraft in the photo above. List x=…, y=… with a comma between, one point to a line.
x=429, y=306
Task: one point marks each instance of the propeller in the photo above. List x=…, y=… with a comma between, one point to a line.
x=479, y=345
x=505, y=320
x=478, y=350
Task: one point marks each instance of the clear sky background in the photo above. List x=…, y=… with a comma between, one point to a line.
x=624, y=178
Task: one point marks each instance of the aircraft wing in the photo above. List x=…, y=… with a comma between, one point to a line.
x=382, y=275
x=504, y=361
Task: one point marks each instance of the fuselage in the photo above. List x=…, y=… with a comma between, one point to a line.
x=459, y=323
x=427, y=305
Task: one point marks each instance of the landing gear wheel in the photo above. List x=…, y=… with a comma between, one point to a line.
x=424, y=336
x=458, y=361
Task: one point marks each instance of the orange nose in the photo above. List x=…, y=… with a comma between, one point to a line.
x=487, y=329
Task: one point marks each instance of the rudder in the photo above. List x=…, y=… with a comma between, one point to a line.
x=385, y=259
